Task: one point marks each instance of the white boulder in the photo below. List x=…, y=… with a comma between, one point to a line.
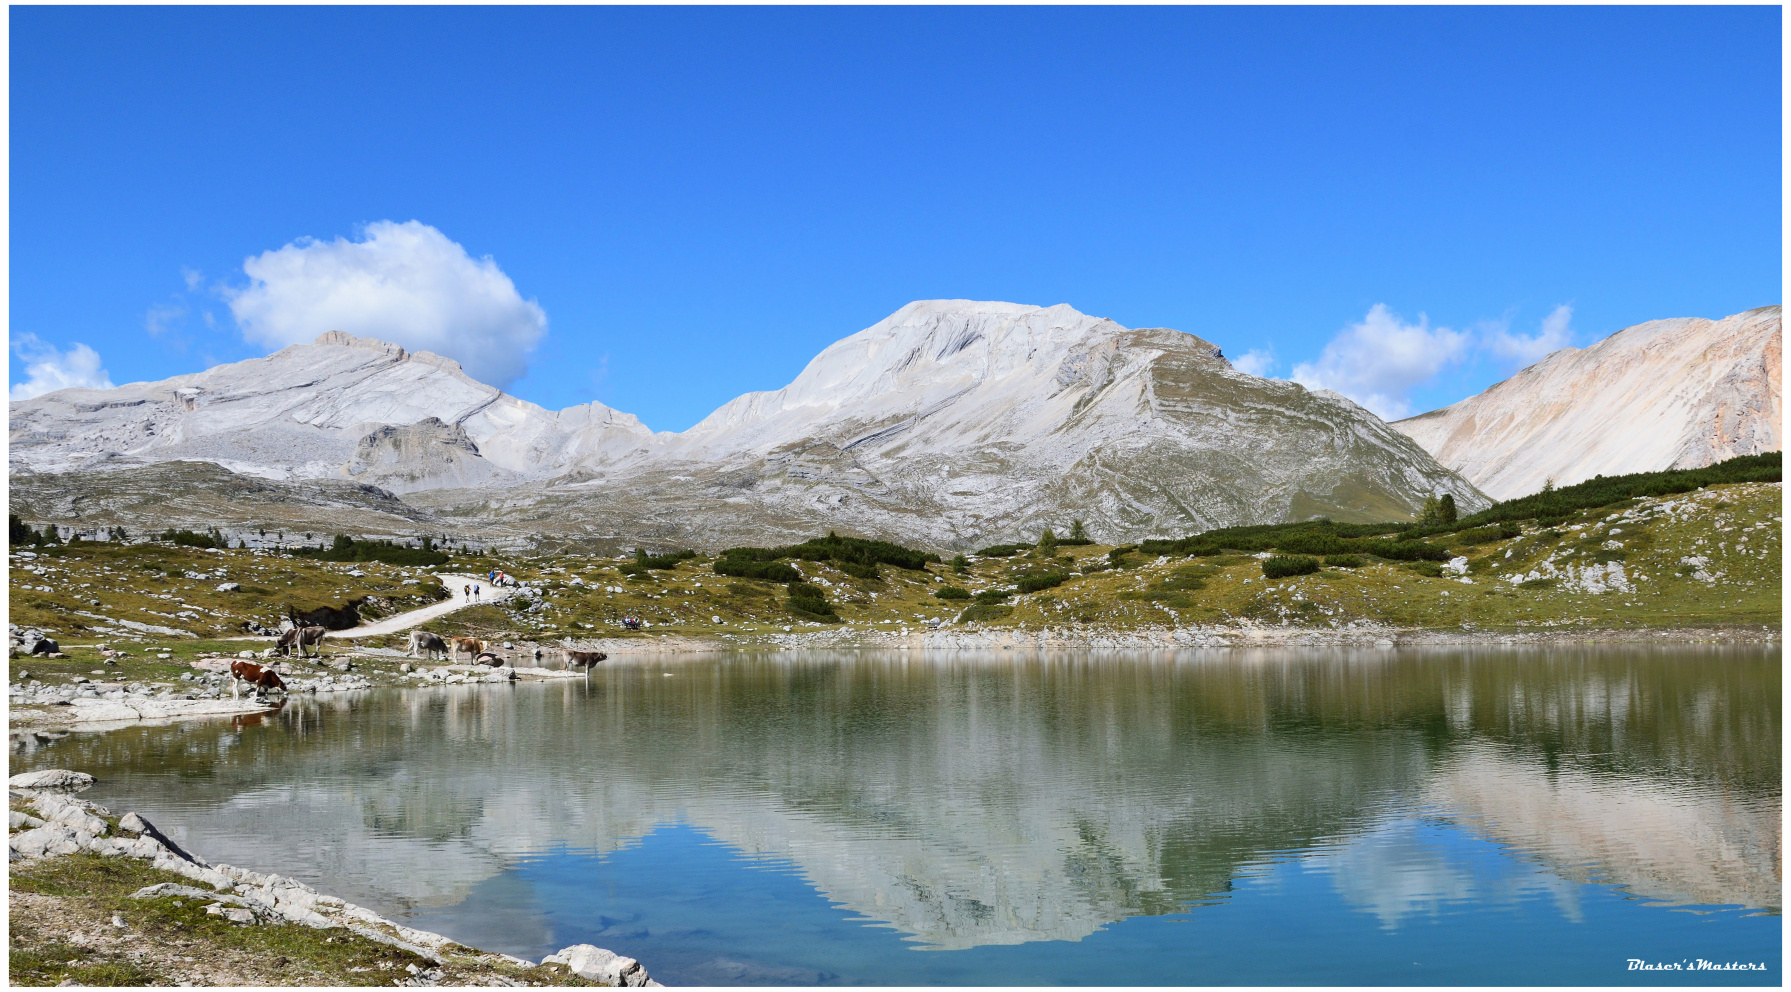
x=598, y=965
x=51, y=778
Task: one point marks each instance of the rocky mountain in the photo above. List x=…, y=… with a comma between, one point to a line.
x=1680, y=393
x=951, y=423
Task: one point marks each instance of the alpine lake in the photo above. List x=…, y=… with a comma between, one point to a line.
x=1492, y=815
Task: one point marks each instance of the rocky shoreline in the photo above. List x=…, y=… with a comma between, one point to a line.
x=65, y=825
x=1175, y=638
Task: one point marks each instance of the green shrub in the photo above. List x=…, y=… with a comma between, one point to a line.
x=1047, y=543
x=841, y=551
x=1481, y=535
x=1041, y=581
x=809, y=603
x=1536, y=584
x=1429, y=568
x=183, y=538
x=990, y=597
x=347, y=549
x=1283, y=566
x=858, y=571
x=746, y=568
x=642, y=560
x=951, y=592
x=1405, y=550
x=960, y=564
x=1314, y=543
x=1117, y=557
x=983, y=612
x=1343, y=561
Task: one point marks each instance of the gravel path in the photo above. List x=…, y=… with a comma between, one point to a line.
x=455, y=584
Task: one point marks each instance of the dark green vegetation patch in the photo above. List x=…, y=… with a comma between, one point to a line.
x=1283, y=566
x=346, y=548
x=855, y=556
x=1402, y=541
x=809, y=603
x=1040, y=581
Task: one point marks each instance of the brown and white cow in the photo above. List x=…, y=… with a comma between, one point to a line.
x=261, y=679
x=423, y=643
x=471, y=645
x=298, y=637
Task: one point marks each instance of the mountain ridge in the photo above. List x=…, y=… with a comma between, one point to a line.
x=950, y=422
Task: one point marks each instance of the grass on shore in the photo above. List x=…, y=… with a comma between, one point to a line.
x=64, y=927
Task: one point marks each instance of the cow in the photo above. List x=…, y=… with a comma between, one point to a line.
x=488, y=659
x=471, y=645
x=262, y=679
x=586, y=660
x=427, y=644
x=298, y=637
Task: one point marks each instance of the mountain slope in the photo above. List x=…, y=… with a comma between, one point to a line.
x=341, y=407
x=1680, y=393
x=951, y=423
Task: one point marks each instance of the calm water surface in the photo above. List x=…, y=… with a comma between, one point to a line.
x=1272, y=817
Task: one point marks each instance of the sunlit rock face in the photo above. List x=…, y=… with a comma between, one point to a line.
x=1680, y=393
x=952, y=423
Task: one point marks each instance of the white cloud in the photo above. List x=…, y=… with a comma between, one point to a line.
x=48, y=370
x=1554, y=335
x=1256, y=361
x=1380, y=360
x=162, y=317
x=404, y=283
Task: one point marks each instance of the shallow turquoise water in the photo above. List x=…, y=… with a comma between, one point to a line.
x=1487, y=817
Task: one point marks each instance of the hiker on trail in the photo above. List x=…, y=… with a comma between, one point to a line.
x=475, y=592
x=466, y=592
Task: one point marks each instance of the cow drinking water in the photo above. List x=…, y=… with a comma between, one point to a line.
x=261, y=679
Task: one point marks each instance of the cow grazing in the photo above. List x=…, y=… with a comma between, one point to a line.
x=298, y=637
x=471, y=645
x=586, y=660
x=262, y=679
x=425, y=644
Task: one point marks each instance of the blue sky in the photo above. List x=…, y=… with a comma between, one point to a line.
x=679, y=205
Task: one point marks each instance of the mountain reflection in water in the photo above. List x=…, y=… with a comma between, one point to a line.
x=981, y=800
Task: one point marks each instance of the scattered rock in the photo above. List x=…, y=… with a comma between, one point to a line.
x=229, y=587
x=51, y=838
